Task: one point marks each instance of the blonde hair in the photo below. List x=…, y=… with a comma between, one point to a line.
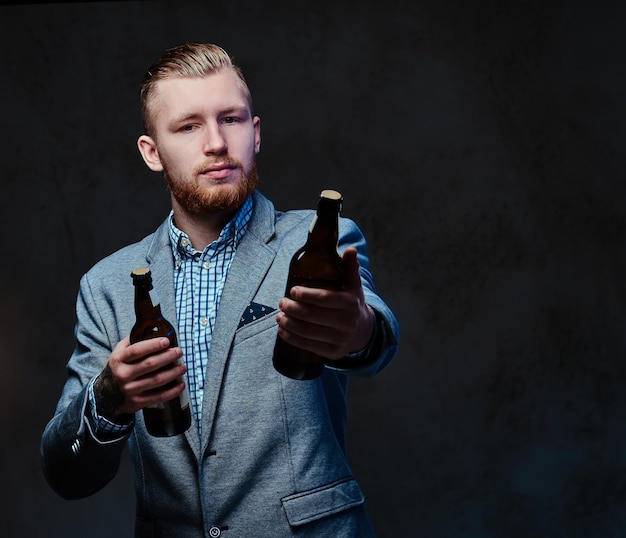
x=191, y=60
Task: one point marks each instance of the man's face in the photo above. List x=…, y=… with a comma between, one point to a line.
x=205, y=141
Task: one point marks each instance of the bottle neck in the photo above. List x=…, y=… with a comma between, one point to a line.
x=146, y=303
x=324, y=231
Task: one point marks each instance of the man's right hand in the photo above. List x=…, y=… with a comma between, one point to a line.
x=138, y=375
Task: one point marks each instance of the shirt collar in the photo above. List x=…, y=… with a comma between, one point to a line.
x=233, y=232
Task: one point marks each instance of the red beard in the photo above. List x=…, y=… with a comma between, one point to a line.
x=198, y=198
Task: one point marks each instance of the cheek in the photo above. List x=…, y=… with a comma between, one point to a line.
x=249, y=150
x=247, y=143
x=175, y=158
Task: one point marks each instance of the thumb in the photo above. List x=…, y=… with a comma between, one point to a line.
x=351, y=275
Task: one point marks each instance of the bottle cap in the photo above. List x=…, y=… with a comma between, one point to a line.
x=140, y=272
x=330, y=200
x=331, y=194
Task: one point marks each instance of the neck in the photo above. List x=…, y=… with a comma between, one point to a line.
x=202, y=229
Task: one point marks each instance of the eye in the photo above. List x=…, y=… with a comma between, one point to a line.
x=231, y=119
x=187, y=128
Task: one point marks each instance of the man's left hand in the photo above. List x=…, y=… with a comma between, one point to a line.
x=329, y=323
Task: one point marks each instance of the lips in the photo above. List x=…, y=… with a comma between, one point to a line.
x=218, y=170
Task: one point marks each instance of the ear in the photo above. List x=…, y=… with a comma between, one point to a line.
x=256, y=121
x=150, y=153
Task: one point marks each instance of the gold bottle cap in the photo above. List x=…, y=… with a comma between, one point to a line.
x=140, y=271
x=331, y=194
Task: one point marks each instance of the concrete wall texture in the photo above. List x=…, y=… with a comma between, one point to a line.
x=479, y=146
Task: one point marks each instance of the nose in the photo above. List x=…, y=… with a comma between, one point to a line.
x=214, y=142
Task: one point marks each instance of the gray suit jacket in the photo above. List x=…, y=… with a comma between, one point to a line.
x=271, y=459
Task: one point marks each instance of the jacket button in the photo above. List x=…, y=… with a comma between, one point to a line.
x=214, y=532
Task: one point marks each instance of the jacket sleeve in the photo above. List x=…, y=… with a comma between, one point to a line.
x=387, y=333
x=75, y=463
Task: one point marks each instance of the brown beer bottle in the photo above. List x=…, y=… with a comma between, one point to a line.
x=173, y=417
x=317, y=264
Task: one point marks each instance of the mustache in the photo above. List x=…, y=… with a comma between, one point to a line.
x=218, y=161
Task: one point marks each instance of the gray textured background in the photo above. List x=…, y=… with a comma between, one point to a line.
x=479, y=146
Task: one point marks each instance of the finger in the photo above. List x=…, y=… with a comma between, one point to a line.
x=138, y=360
x=303, y=296
x=139, y=350
x=311, y=337
x=305, y=327
x=160, y=395
x=351, y=275
x=153, y=372
x=156, y=380
x=157, y=362
x=336, y=312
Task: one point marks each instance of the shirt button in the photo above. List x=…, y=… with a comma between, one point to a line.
x=184, y=242
x=206, y=265
x=204, y=322
x=214, y=532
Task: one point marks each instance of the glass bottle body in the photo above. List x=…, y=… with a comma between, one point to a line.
x=174, y=416
x=317, y=264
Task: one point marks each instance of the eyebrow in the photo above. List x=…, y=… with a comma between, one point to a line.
x=185, y=117
x=188, y=116
x=236, y=109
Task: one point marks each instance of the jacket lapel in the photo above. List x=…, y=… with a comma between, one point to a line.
x=247, y=271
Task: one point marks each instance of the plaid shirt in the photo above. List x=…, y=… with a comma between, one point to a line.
x=198, y=283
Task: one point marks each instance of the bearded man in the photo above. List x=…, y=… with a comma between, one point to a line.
x=265, y=455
